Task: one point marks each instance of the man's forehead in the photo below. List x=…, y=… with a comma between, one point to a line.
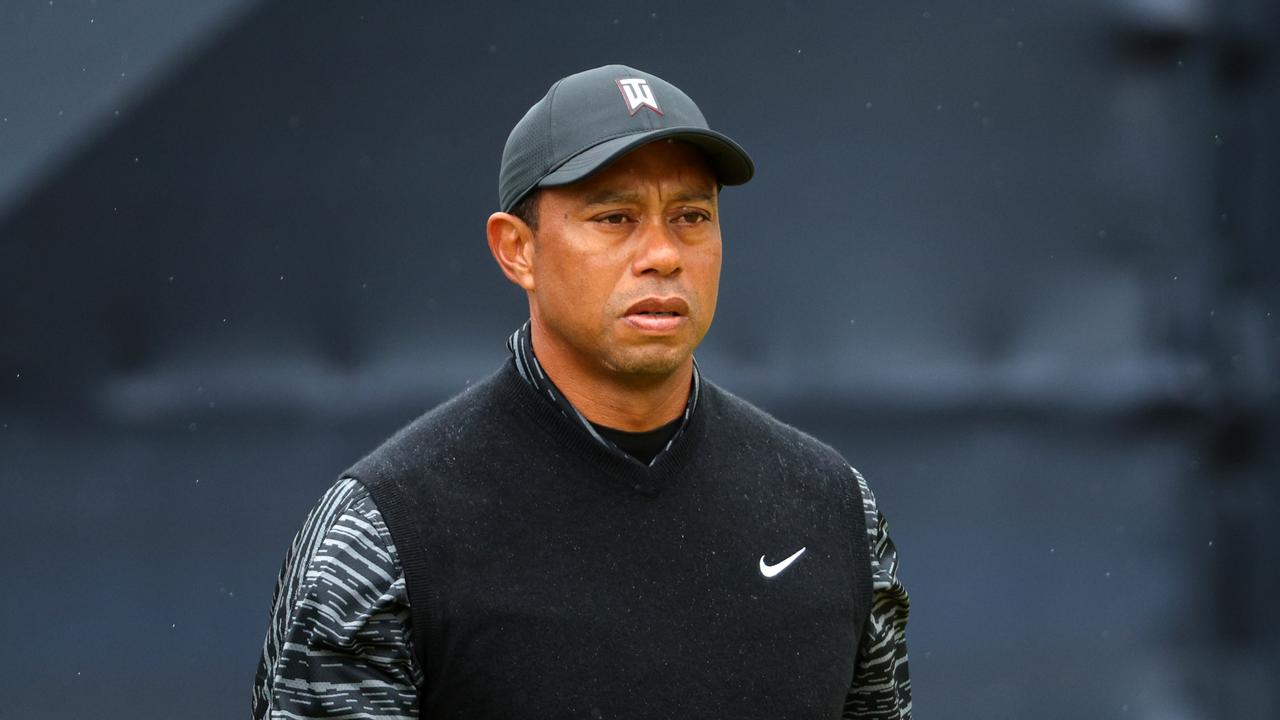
x=612, y=195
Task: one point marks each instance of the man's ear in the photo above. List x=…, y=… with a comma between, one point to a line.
x=511, y=242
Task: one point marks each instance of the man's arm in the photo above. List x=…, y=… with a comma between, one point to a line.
x=339, y=643
x=881, y=683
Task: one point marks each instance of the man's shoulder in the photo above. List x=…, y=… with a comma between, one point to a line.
x=435, y=433
x=754, y=424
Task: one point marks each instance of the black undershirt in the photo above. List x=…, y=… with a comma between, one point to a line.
x=643, y=446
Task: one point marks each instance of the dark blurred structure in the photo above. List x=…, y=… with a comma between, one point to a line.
x=1017, y=260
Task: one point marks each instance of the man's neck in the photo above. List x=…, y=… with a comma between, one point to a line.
x=623, y=403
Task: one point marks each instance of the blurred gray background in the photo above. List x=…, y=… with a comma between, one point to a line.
x=1017, y=260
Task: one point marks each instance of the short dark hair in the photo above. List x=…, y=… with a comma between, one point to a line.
x=527, y=209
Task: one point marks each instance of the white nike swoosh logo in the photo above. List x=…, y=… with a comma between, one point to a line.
x=771, y=570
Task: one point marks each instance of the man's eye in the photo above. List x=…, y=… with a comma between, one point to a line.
x=692, y=218
x=614, y=219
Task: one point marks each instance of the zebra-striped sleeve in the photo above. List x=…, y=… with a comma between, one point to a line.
x=338, y=644
x=881, y=687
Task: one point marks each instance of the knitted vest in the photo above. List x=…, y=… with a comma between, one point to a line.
x=549, y=577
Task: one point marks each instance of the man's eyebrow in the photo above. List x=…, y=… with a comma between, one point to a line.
x=694, y=196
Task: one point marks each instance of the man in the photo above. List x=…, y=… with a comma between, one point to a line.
x=596, y=531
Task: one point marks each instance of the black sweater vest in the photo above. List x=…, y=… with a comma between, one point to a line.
x=549, y=577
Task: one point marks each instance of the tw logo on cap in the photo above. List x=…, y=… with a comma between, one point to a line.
x=638, y=94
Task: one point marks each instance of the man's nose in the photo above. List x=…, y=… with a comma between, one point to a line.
x=659, y=248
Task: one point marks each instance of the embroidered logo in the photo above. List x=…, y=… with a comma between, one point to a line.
x=638, y=94
x=771, y=570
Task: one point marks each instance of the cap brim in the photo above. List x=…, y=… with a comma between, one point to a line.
x=728, y=160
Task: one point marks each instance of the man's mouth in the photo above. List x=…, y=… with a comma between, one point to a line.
x=675, y=305
x=654, y=314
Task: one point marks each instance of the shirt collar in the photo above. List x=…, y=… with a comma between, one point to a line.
x=521, y=346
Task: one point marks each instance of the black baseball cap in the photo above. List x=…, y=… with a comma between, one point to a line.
x=588, y=120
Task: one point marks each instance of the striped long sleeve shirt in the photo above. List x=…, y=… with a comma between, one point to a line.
x=339, y=645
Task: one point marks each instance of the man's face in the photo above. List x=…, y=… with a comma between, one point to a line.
x=626, y=263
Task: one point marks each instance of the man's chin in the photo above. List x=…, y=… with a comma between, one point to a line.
x=651, y=363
